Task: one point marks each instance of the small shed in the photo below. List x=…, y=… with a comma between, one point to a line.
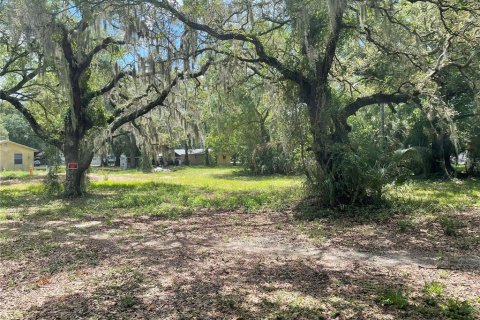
x=15, y=156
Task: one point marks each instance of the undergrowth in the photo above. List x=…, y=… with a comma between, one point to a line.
x=434, y=302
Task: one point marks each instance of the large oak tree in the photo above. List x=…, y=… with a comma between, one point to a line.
x=105, y=66
x=400, y=48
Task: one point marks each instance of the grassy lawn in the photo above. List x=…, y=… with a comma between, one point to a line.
x=20, y=175
x=169, y=194
x=455, y=194
x=213, y=243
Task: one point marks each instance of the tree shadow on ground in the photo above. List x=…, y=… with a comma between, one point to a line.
x=247, y=176
x=411, y=225
x=225, y=266
x=290, y=290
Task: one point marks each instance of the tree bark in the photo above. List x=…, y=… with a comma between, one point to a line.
x=207, y=156
x=441, y=163
x=133, y=153
x=187, y=161
x=75, y=152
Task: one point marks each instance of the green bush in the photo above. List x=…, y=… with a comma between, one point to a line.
x=270, y=158
x=450, y=307
x=405, y=225
x=433, y=291
x=414, y=159
x=355, y=175
x=128, y=301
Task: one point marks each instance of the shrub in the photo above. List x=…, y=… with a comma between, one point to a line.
x=270, y=158
x=356, y=175
x=52, y=181
x=128, y=301
x=405, y=225
x=415, y=159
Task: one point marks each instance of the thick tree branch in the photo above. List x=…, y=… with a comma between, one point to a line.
x=22, y=82
x=108, y=87
x=105, y=43
x=31, y=119
x=67, y=48
x=290, y=74
x=118, y=122
x=325, y=64
x=377, y=98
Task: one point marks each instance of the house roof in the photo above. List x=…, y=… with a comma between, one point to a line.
x=17, y=144
x=181, y=152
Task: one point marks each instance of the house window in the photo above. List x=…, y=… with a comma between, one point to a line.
x=18, y=158
x=224, y=157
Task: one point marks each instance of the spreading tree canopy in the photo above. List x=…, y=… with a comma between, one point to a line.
x=80, y=70
x=344, y=56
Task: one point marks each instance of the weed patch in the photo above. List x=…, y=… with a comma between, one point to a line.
x=450, y=225
x=394, y=297
x=436, y=303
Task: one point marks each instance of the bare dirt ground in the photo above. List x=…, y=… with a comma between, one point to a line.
x=229, y=265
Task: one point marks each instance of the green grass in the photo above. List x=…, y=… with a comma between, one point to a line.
x=454, y=194
x=219, y=179
x=434, y=289
x=169, y=194
x=20, y=175
x=413, y=198
x=406, y=225
x=459, y=309
x=189, y=190
x=437, y=303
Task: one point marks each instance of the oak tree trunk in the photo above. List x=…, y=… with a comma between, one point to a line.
x=78, y=153
x=330, y=138
x=75, y=178
x=441, y=163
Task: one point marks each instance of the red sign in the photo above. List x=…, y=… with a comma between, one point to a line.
x=73, y=165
